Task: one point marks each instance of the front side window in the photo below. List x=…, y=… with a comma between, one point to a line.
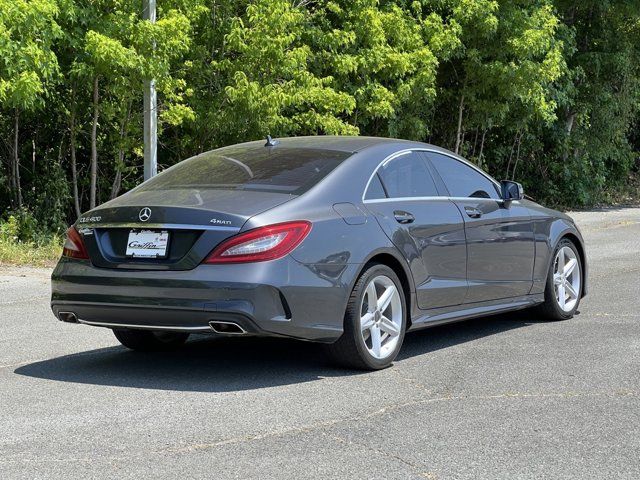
x=461, y=180
x=407, y=176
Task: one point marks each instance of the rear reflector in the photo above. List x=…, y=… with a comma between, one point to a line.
x=74, y=245
x=261, y=244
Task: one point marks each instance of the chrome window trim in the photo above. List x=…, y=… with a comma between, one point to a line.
x=452, y=199
x=399, y=153
x=403, y=199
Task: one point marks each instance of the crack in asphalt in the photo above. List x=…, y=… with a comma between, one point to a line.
x=621, y=315
x=330, y=423
x=391, y=408
x=416, y=468
x=618, y=271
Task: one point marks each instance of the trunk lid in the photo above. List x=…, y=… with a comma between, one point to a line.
x=196, y=220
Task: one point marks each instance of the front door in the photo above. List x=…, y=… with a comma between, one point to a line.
x=500, y=240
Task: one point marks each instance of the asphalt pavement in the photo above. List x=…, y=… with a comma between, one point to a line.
x=506, y=397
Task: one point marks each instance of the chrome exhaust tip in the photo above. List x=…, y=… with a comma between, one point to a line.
x=67, y=317
x=226, y=328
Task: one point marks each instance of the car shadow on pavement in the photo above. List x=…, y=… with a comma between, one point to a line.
x=233, y=364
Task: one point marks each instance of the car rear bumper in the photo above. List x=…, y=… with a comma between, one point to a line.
x=154, y=318
x=277, y=298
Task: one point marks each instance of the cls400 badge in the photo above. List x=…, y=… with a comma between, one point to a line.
x=89, y=219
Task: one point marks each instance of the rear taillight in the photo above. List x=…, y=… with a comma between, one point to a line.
x=74, y=245
x=261, y=244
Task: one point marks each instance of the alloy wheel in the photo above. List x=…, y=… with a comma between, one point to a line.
x=566, y=278
x=381, y=317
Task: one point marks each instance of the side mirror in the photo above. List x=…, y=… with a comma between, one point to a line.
x=511, y=190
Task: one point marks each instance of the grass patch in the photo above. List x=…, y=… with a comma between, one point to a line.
x=41, y=254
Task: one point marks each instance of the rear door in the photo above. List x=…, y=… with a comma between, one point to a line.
x=500, y=242
x=427, y=228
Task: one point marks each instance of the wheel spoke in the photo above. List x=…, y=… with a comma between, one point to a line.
x=385, y=298
x=561, y=260
x=388, y=326
x=572, y=292
x=557, y=279
x=366, y=321
x=372, y=297
x=561, y=296
x=376, y=340
x=570, y=267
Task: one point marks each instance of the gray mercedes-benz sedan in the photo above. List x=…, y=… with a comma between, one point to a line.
x=349, y=241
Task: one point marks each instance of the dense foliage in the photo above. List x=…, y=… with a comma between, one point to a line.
x=543, y=91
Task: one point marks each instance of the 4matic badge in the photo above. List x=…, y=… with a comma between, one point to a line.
x=217, y=221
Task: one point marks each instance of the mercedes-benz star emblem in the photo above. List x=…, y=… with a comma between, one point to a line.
x=145, y=214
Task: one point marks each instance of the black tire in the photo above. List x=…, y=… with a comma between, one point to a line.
x=150, y=341
x=350, y=350
x=550, y=309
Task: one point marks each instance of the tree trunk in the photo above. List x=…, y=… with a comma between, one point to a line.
x=117, y=184
x=484, y=133
x=515, y=165
x=94, y=144
x=513, y=147
x=12, y=164
x=15, y=167
x=74, y=167
x=475, y=142
x=459, y=132
x=568, y=124
x=117, y=180
x=568, y=128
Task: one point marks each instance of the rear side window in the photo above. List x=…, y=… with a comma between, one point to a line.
x=375, y=190
x=407, y=176
x=461, y=180
x=286, y=170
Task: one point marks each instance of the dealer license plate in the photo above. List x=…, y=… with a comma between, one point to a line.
x=147, y=244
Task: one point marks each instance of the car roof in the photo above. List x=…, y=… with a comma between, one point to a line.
x=349, y=144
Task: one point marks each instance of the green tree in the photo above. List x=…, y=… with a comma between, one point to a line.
x=385, y=55
x=28, y=67
x=272, y=88
x=120, y=50
x=510, y=55
x=600, y=102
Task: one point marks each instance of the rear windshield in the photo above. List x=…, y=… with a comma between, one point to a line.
x=279, y=169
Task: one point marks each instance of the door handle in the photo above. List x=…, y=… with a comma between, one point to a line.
x=403, y=217
x=473, y=212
